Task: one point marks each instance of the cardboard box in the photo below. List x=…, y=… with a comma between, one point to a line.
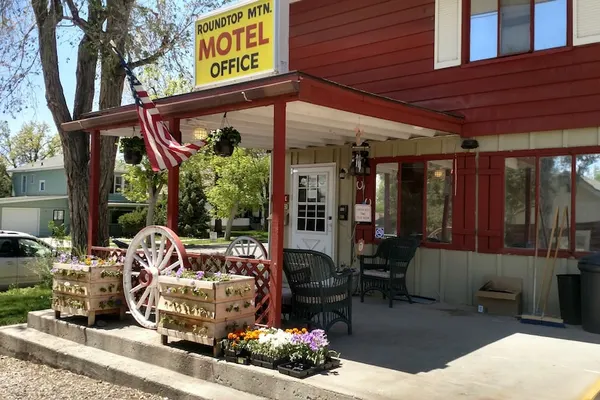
x=500, y=295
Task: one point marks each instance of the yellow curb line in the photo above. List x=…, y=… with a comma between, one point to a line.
x=592, y=391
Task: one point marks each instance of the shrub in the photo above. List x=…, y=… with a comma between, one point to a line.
x=132, y=222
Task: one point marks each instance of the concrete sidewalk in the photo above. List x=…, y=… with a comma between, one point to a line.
x=457, y=353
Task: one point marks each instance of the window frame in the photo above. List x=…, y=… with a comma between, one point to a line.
x=40, y=183
x=540, y=153
x=23, y=183
x=466, y=37
x=121, y=186
x=54, y=212
x=414, y=159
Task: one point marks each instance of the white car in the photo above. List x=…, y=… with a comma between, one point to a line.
x=20, y=254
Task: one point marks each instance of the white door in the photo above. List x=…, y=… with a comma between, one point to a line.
x=313, y=208
x=22, y=220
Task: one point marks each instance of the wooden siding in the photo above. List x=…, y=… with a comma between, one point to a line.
x=386, y=47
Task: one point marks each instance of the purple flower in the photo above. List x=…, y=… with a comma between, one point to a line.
x=179, y=272
x=62, y=258
x=169, y=290
x=199, y=274
x=54, y=270
x=218, y=274
x=94, y=263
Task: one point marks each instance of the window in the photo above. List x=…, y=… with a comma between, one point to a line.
x=119, y=184
x=536, y=188
x=506, y=27
x=7, y=248
x=23, y=184
x=31, y=178
x=42, y=186
x=312, y=202
x=386, y=199
x=414, y=199
x=519, y=202
x=58, y=216
x=32, y=248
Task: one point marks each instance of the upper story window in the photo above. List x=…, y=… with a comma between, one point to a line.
x=507, y=27
x=42, y=186
x=119, y=184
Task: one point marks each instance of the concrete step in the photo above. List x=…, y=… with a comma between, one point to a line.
x=130, y=341
x=29, y=344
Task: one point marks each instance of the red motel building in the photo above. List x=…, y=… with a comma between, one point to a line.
x=482, y=119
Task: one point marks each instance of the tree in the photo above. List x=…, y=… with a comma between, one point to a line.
x=30, y=34
x=32, y=143
x=240, y=184
x=5, y=181
x=193, y=215
x=144, y=185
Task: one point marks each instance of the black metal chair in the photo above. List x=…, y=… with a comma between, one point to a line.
x=386, y=270
x=320, y=295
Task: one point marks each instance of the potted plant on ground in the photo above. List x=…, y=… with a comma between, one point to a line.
x=271, y=349
x=133, y=149
x=309, y=354
x=225, y=140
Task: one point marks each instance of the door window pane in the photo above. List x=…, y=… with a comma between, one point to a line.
x=587, y=203
x=312, y=207
x=515, y=23
x=31, y=248
x=519, y=202
x=550, y=24
x=484, y=29
x=411, y=207
x=386, y=199
x=439, y=201
x=7, y=248
x=555, y=194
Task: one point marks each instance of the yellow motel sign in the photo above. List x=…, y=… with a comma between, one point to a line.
x=244, y=41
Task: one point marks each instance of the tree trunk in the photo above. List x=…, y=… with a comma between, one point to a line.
x=111, y=91
x=152, y=198
x=75, y=144
x=232, y=215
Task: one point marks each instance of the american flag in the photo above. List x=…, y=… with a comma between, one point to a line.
x=164, y=152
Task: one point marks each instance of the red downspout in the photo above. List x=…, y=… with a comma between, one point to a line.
x=173, y=183
x=94, y=190
x=278, y=212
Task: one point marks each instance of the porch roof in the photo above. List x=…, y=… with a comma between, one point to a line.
x=319, y=113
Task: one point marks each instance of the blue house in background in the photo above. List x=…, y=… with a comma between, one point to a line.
x=40, y=196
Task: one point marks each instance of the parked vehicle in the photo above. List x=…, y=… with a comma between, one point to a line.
x=20, y=254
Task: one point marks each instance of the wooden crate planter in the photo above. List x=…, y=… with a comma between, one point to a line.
x=88, y=290
x=204, y=311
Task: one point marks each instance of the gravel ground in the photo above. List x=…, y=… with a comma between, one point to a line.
x=23, y=380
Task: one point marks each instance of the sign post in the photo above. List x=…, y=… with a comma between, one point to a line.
x=244, y=41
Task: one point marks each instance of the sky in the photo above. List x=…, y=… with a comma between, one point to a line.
x=39, y=112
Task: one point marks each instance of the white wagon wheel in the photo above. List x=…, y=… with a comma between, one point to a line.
x=162, y=253
x=246, y=247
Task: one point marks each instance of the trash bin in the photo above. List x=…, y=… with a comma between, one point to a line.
x=590, y=292
x=569, y=298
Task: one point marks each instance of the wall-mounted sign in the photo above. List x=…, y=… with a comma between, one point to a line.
x=244, y=41
x=362, y=212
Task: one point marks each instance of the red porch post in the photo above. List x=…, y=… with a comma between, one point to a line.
x=94, y=190
x=278, y=211
x=173, y=183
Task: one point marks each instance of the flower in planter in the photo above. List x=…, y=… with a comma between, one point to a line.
x=200, y=275
x=224, y=140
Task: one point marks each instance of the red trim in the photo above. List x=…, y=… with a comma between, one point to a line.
x=570, y=8
x=466, y=32
x=173, y=183
x=532, y=25
x=339, y=97
x=278, y=210
x=572, y=212
x=94, y=190
x=498, y=28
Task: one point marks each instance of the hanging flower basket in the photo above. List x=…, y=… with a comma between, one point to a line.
x=133, y=149
x=225, y=140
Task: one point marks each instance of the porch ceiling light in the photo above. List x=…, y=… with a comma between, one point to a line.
x=342, y=173
x=439, y=173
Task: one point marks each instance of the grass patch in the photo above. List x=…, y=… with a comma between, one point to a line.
x=16, y=303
